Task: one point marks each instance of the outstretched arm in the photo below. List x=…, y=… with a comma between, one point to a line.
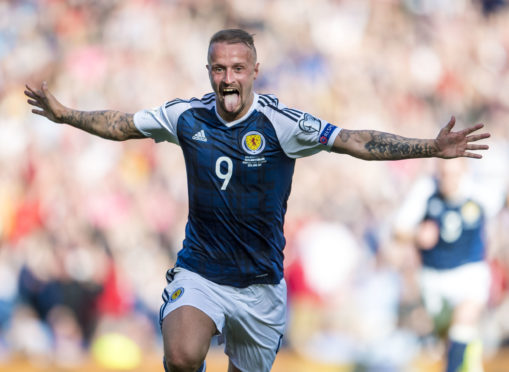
x=109, y=124
x=374, y=145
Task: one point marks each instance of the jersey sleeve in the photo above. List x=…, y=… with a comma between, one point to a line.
x=159, y=123
x=413, y=209
x=299, y=133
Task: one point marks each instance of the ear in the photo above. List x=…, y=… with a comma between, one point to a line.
x=256, y=68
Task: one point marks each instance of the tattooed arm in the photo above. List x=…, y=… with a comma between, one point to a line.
x=374, y=145
x=114, y=125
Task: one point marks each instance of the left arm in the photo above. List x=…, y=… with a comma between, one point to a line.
x=375, y=145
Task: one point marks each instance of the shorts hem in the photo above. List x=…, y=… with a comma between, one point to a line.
x=175, y=307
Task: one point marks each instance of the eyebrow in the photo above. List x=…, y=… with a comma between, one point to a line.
x=237, y=64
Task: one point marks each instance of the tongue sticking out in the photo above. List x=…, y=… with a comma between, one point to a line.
x=231, y=101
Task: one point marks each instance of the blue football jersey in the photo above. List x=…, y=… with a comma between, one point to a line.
x=239, y=178
x=461, y=226
x=460, y=221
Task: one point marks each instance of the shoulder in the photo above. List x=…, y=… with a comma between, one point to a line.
x=299, y=133
x=299, y=123
x=179, y=104
x=270, y=106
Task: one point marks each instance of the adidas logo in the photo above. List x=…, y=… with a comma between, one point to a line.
x=200, y=136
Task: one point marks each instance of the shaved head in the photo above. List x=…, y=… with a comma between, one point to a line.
x=232, y=36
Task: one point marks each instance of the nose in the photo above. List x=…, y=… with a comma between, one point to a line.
x=228, y=76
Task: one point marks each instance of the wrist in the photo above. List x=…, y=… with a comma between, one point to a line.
x=435, y=149
x=63, y=115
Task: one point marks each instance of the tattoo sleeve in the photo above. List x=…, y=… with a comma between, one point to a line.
x=374, y=145
x=113, y=125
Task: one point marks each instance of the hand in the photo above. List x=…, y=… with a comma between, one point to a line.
x=428, y=235
x=47, y=105
x=457, y=144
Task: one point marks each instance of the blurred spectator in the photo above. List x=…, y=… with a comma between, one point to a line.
x=344, y=302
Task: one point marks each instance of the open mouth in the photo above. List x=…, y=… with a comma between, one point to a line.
x=231, y=98
x=227, y=91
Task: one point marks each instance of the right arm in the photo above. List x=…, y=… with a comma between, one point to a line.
x=109, y=124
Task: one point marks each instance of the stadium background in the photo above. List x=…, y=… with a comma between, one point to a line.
x=88, y=227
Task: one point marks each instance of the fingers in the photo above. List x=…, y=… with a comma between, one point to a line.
x=34, y=100
x=34, y=103
x=466, y=131
x=30, y=92
x=477, y=147
x=473, y=128
x=41, y=112
x=37, y=93
x=44, y=87
x=34, y=92
x=29, y=88
x=450, y=124
x=471, y=147
x=37, y=97
x=42, y=101
x=478, y=137
x=472, y=155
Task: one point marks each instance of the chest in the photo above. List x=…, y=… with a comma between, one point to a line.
x=246, y=154
x=455, y=219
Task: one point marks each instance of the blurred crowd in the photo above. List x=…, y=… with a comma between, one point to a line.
x=88, y=227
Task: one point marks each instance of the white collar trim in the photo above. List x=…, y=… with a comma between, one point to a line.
x=232, y=123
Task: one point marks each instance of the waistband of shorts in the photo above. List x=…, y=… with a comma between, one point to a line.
x=232, y=279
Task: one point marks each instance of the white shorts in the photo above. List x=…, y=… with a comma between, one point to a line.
x=466, y=282
x=251, y=320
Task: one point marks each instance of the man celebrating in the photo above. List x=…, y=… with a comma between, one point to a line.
x=240, y=149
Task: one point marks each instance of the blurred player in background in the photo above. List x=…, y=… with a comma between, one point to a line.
x=240, y=149
x=447, y=224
